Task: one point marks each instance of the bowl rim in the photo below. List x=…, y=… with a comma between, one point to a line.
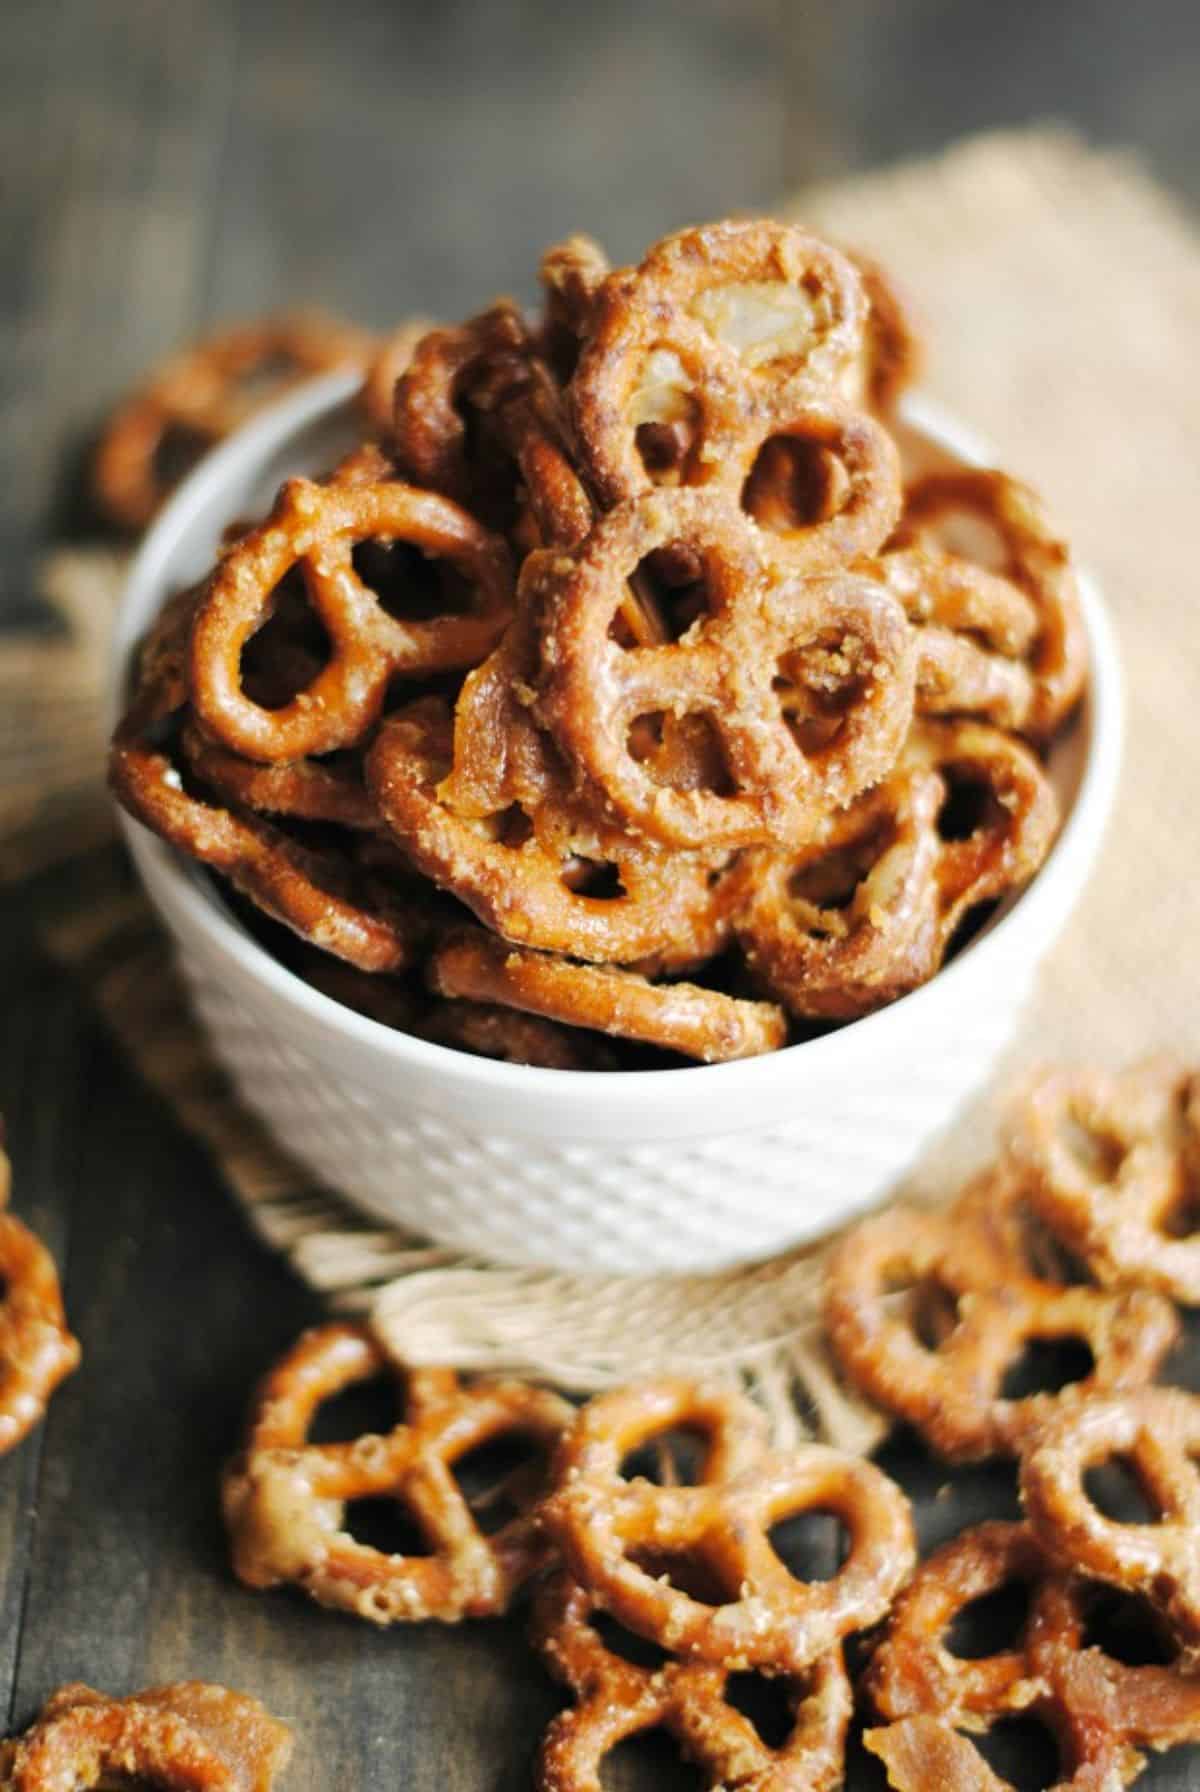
x=1068, y=863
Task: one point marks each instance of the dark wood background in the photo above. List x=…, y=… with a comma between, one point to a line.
x=161, y=165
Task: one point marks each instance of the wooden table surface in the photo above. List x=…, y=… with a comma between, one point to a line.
x=161, y=165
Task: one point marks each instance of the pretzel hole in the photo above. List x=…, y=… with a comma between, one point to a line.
x=410, y=585
x=284, y=656
x=812, y=1545
x=1046, y=1366
x=767, y=1701
x=1022, y=1751
x=993, y=1624
x=686, y=1571
x=385, y=1525
x=592, y=878
x=1117, y=1491
x=178, y=449
x=685, y=754
x=676, y=1457
x=1125, y=1628
x=668, y=594
x=627, y=1645
x=932, y=1308
x=666, y=416
x=819, y=684
x=969, y=807
x=500, y=1478
x=650, y=1761
x=364, y=1409
x=794, y=483
x=1098, y=1152
x=830, y=884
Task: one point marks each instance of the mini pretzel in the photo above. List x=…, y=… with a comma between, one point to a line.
x=204, y=394
x=285, y=1498
x=515, y=871
x=912, y=1670
x=190, y=1736
x=950, y=1389
x=1157, y=1431
x=1034, y=559
x=867, y=908
x=840, y=644
x=623, y=1539
x=1114, y=1203
x=683, y=1017
x=708, y=326
x=457, y=377
x=388, y=362
x=36, y=1349
x=1154, y=1705
x=617, y=1699
x=318, y=527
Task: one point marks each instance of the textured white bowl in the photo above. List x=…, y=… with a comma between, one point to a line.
x=690, y=1169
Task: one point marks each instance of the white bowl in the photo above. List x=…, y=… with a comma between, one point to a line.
x=638, y=1171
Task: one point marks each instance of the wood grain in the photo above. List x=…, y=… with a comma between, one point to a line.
x=164, y=165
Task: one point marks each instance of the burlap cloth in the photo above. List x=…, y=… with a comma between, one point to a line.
x=1062, y=291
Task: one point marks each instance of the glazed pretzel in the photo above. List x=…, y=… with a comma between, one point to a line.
x=1033, y=559
x=840, y=644
x=204, y=394
x=701, y=336
x=444, y=403
x=867, y=908
x=284, y=1498
x=388, y=362
x=516, y=872
x=682, y=1017
x=1097, y=1705
x=621, y=1539
x=318, y=527
x=317, y=894
x=1116, y=1209
x=950, y=1390
x=36, y=1349
x=190, y=1736
x=616, y=1700
x=1157, y=1432
x=912, y=1670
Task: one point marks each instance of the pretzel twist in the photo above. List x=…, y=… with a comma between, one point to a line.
x=616, y=1700
x=868, y=908
x=950, y=1389
x=1157, y=1432
x=1114, y=1166
x=622, y=1539
x=285, y=1498
x=317, y=528
x=839, y=643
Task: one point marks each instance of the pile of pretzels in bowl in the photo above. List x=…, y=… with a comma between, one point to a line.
x=617, y=703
